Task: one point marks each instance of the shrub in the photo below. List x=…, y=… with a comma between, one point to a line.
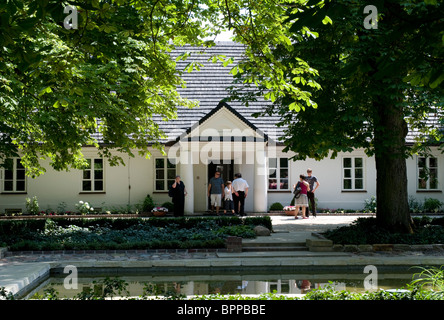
x=370, y=205
x=148, y=204
x=415, y=206
x=432, y=205
x=32, y=206
x=84, y=207
x=276, y=206
x=168, y=205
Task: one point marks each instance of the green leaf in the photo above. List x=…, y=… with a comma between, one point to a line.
x=294, y=107
x=46, y=90
x=327, y=20
x=78, y=91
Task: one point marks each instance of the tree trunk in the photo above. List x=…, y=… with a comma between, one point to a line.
x=391, y=170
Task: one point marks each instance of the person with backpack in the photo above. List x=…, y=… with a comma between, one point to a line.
x=301, y=199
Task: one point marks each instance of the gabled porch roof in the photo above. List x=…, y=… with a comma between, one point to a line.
x=219, y=118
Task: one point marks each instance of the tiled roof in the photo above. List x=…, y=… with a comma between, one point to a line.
x=209, y=87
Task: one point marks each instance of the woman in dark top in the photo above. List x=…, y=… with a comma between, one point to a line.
x=178, y=192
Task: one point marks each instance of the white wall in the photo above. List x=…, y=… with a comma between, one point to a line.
x=54, y=187
x=329, y=173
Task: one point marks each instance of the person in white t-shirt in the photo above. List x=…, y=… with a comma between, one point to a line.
x=228, y=198
x=240, y=187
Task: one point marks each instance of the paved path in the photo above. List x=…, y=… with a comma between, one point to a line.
x=320, y=223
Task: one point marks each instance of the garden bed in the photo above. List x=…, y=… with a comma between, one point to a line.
x=125, y=234
x=364, y=231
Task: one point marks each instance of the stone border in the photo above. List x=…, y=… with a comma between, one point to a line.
x=323, y=244
x=5, y=253
x=283, y=212
x=232, y=244
x=72, y=216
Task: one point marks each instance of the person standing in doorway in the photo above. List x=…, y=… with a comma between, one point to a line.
x=178, y=193
x=240, y=187
x=228, y=198
x=216, y=191
x=312, y=181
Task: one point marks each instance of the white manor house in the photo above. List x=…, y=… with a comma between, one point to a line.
x=214, y=136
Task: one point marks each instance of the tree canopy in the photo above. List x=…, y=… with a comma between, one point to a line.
x=377, y=83
x=81, y=73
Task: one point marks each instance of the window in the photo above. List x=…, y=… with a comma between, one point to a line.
x=165, y=174
x=278, y=173
x=14, y=176
x=92, y=179
x=427, y=173
x=353, y=173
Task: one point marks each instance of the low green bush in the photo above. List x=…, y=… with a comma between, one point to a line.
x=169, y=205
x=432, y=205
x=277, y=206
x=148, y=203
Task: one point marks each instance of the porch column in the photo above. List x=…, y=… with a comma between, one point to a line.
x=260, y=201
x=187, y=176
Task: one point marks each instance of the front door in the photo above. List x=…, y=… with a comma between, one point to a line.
x=226, y=173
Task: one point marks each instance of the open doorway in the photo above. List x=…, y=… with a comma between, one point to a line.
x=226, y=172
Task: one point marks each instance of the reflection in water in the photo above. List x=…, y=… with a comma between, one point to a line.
x=191, y=285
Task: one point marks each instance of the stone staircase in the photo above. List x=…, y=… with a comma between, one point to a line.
x=273, y=246
x=280, y=245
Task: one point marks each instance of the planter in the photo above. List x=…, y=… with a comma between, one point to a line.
x=159, y=213
x=290, y=210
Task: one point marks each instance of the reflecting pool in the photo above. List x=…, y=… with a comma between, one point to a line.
x=231, y=283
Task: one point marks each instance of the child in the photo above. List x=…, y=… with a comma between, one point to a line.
x=228, y=198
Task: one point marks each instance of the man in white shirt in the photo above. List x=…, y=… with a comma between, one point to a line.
x=240, y=187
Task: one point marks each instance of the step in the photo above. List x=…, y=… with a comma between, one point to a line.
x=273, y=248
x=273, y=244
x=281, y=254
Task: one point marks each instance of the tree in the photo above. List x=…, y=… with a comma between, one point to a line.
x=98, y=83
x=81, y=73
x=376, y=85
